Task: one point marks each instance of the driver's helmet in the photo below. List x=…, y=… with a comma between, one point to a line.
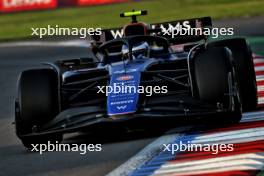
x=138, y=50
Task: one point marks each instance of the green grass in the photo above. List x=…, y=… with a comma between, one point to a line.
x=18, y=25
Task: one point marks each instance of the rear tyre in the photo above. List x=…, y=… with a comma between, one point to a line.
x=37, y=104
x=212, y=69
x=244, y=69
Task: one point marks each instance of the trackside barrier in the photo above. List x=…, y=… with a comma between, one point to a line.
x=7, y=6
x=88, y=2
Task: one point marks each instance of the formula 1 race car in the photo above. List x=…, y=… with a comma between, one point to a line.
x=135, y=75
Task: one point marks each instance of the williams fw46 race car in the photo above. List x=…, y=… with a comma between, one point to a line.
x=194, y=78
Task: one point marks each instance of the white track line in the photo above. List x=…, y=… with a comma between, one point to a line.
x=260, y=88
x=260, y=77
x=259, y=68
x=258, y=60
x=261, y=100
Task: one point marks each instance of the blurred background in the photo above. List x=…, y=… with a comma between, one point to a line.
x=17, y=17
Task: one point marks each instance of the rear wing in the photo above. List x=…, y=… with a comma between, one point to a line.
x=165, y=29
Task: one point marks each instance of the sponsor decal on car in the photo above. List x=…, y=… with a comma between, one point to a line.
x=125, y=77
x=123, y=102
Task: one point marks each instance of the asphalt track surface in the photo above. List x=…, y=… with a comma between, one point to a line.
x=14, y=160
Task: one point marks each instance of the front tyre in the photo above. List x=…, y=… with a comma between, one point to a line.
x=244, y=69
x=214, y=74
x=37, y=104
